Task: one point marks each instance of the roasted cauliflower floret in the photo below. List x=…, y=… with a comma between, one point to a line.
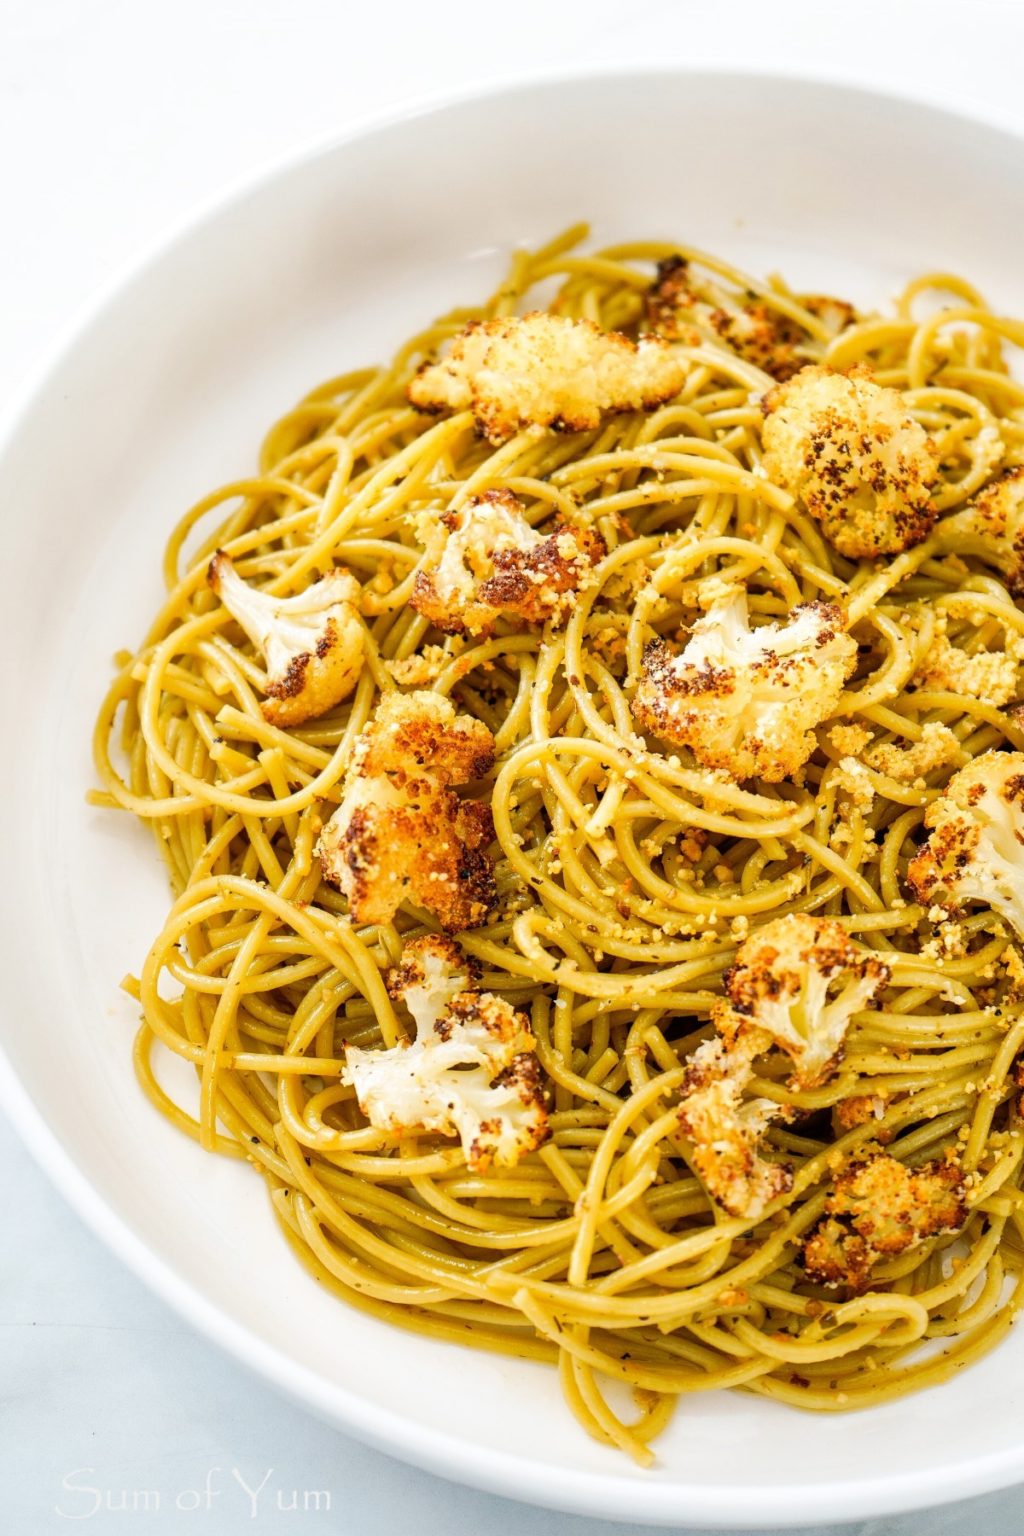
x=486, y=561
x=992, y=527
x=860, y=463
x=725, y=1129
x=312, y=644
x=547, y=371
x=401, y=831
x=682, y=301
x=746, y=700
x=976, y=848
x=795, y=983
x=879, y=1208
x=471, y=1071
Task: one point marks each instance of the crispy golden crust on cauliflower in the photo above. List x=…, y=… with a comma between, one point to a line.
x=860, y=463
x=746, y=700
x=401, y=831
x=992, y=527
x=312, y=644
x=681, y=301
x=471, y=1071
x=989, y=676
x=795, y=983
x=879, y=1208
x=976, y=848
x=547, y=371
x=725, y=1130
x=486, y=562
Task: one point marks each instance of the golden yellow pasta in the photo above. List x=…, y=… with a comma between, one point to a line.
x=741, y=1109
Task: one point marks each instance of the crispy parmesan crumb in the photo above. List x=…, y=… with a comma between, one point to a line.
x=849, y=739
x=937, y=748
x=401, y=831
x=990, y=676
x=421, y=668
x=547, y=371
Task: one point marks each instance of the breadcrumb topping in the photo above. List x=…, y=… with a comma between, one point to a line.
x=976, y=848
x=682, y=301
x=312, y=644
x=471, y=1071
x=851, y=451
x=796, y=983
x=746, y=700
x=488, y=562
x=548, y=371
x=879, y=1208
x=937, y=748
x=990, y=676
x=401, y=832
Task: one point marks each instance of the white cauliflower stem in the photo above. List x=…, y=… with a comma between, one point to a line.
x=746, y=700
x=547, y=371
x=312, y=644
x=401, y=831
x=486, y=561
x=795, y=984
x=976, y=848
x=861, y=464
x=470, y=1072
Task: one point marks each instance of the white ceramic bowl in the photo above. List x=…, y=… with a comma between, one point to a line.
x=163, y=393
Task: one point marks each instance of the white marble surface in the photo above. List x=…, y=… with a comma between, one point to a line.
x=118, y=118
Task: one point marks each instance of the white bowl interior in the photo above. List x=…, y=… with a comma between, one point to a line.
x=164, y=394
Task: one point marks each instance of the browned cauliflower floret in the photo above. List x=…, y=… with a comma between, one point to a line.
x=486, y=561
x=860, y=463
x=547, y=371
x=312, y=644
x=795, y=983
x=976, y=848
x=401, y=831
x=471, y=1071
x=682, y=300
x=989, y=676
x=879, y=1208
x=725, y=1130
x=992, y=527
x=746, y=700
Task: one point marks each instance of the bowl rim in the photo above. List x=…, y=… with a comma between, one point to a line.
x=626, y=1494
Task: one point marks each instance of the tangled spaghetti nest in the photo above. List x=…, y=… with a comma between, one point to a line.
x=627, y=874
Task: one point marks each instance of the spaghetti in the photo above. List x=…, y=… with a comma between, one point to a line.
x=627, y=872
